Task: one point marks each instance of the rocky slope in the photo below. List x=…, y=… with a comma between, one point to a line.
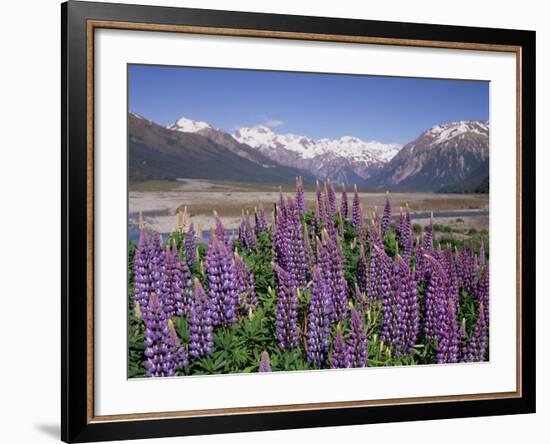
x=443, y=156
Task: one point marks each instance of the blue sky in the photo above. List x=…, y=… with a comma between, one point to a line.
x=387, y=109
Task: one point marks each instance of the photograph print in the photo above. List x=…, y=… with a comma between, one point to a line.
x=287, y=221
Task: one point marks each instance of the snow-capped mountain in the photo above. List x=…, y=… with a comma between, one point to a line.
x=188, y=126
x=447, y=156
x=226, y=140
x=350, y=147
x=326, y=158
x=158, y=153
x=348, y=159
x=443, y=156
x=444, y=133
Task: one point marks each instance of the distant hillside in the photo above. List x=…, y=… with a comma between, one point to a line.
x=472, y=182
x=157, y=153
x=453, y=156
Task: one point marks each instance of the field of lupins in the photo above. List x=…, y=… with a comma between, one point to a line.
x=311, y=289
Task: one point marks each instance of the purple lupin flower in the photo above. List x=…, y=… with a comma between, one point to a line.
x=308, y=251
x=300, y=197
x=468, y=270
x=259, y=219
x=344, y=204
x=300, y=253
x=143, y=280
x=265, y=364
x=242, y=230
x=400, y=309
x=463, y=350
x=435, y=299
x=405, y=234
x=190, y=245
x=200, y=323
x=324, y=264
x=335, y=279
x=394, y=311
x=362, y=270
x=281, y=202
x=412, y=310
x=482, y=293
x=320, y=209
x=356, y=212
x=222, y=283
x=245, y=286
x=375, y=236
x=449, y=264
x=375, y=219
x=427, y=242
x=330, y=227
x=419, y=263
x=246, y=233
x=408, y=221
x=357, y=341
x=318, y=321
x=289, y=246
x=317, y=222
x=360, y=298
x=177, y=292
x=400, y=223
x=159, y=361
x=448, y=342
x=177, y=351
x=378, y=285
x=339, y=357
x=280, y=237
x=386, y=217
x=286, y=323
x=169, y=284
x=157, y=264
x=478, y=341
x=219, y=229
x=331, y=200
x=250, y=235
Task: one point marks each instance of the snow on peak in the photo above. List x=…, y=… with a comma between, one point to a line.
x=188, y=126
x=137, y=116
x=305, y=147
x=443, y=133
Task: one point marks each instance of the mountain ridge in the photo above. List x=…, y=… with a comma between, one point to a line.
x=342, y=159
x=156, y=152
x=442, y=156
x=451, y=156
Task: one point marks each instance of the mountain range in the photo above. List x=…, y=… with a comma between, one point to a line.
x=450, y=157
x=348, y=159
x=159, y=153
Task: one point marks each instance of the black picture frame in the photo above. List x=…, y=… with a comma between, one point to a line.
x=76, y=423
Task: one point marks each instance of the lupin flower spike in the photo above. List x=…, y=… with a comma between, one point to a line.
x=344, y=205
x=386, y=217
x=200, y=323
x=339, y=350
x=357, y=341
x=265, y=364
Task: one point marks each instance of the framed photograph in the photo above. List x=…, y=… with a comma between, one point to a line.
x=276, y=221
